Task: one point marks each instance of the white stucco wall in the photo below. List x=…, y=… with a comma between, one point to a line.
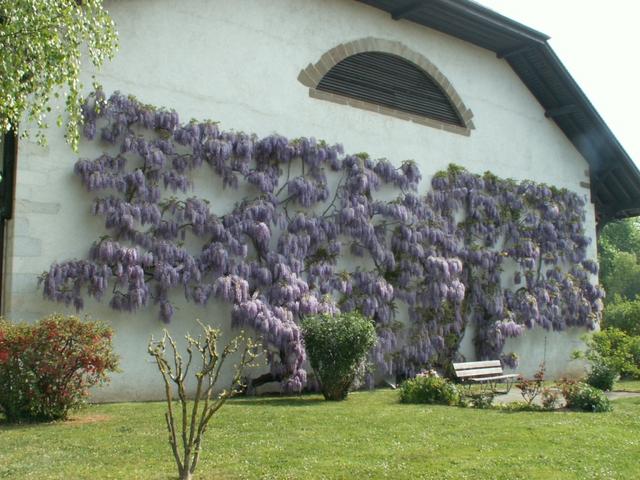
x=237, y=63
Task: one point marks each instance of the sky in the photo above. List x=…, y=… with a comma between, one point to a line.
x=599, y=43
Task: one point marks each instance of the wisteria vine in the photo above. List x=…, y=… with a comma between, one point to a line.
x=504, y=255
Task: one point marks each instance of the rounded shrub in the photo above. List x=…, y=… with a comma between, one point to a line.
x=429, y=389
x=602, y=376
x=616, y=349
x=337, y=345
x=581, y=396
x=46, y=368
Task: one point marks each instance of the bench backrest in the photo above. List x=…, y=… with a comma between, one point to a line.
x=478, y=369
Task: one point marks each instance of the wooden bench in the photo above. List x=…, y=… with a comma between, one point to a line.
x=488, y=372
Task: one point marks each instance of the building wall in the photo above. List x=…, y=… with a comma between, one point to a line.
x=238, y=63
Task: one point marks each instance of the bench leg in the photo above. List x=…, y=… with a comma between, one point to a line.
x=510, y=383
x=493, y=386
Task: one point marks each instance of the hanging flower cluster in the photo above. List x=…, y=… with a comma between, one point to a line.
x=279, y=254
x=524, y=250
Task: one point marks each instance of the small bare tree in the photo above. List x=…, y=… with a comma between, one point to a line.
x=187, y=425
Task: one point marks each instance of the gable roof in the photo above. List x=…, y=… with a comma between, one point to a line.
x=614, y=178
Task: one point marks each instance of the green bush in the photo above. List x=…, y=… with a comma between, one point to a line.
x=602, y=376
x=519, y=406
x=634, y=349
x=429, y=389
x=482, y=399
x=46, y=368
x=614, y=349
x=623, y=314
x=580, y=396
x=337, y=346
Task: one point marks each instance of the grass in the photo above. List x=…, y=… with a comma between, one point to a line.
x=627, y=386
x=370, y=435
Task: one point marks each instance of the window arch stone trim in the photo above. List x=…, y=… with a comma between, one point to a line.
x=313, y=73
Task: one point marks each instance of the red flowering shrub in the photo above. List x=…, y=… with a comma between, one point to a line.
x=46, y=368
x=530, y=389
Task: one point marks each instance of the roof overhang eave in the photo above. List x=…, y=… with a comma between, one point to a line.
x=615, y=179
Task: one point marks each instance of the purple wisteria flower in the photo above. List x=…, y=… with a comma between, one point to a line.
x=308, y=211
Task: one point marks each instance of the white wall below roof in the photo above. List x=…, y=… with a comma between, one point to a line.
x=238, y=62
x=536, y=346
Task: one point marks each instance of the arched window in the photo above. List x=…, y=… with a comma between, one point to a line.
x=386, y=77
x=391, y=81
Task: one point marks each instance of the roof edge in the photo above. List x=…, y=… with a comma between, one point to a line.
x=614, y=177
x=488, y=14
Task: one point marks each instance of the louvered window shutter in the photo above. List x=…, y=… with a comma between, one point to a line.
x=392, y=82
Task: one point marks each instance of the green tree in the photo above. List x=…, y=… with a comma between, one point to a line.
x=42, y=44
x=618, y=253
x=623, y=235
x=624, y=315
x=618, y=250
x=623, y=276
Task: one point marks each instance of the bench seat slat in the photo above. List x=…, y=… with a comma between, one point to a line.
x=478, y=372
x=483, y=364
x=499, y=377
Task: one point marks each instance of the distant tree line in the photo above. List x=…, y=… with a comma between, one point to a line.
x=618, y=253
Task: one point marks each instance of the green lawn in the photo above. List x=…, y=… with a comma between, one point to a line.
x=627, y=385
x=370, y=435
